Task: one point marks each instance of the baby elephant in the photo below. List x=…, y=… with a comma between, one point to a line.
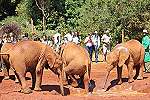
x=76, y=62
x=31, y=56
x=130, y=54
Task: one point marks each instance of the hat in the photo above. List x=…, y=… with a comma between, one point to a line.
x=145, y=31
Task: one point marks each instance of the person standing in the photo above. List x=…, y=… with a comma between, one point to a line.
x=75, y=38
x=57, y=41
x=44, y=39
x=146, y=44
x=68, y=37
x=106, y=45
x=96, y=42
x=89, y=45
x=25, y=37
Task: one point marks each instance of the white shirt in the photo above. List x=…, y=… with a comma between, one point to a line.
x=75, y=40
x=68, y=37
x=43, y=41
x=96, y=40
x=105, y=38
x=89, y=44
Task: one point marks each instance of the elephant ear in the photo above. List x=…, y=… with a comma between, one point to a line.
x=123, y=56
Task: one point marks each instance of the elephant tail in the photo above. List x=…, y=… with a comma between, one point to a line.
x=106, y=80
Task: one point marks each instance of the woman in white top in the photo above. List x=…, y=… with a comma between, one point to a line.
x=89, y=45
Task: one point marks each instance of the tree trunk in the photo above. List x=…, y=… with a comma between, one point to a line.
x=122, y=34
x=44, y=21
x=32, y=26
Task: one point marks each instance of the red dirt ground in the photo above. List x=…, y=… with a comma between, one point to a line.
x=139, y=89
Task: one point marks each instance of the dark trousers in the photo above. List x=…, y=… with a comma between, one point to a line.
x=96, y=53
x=90, y=50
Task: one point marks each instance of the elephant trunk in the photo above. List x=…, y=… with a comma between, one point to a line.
x=106, y=79
x=110, y=67
x=61, y=82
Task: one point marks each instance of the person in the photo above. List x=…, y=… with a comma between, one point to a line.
x=44, y=39
x=68, y=37
x=89, y=45
x=25, y=37
x=146, y=44
x=106, y=44
x=75, y=38
x=37, y=39
x=57, y=41
x=96, y=42
x=50, y=41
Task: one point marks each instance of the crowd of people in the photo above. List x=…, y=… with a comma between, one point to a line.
x=92, y=42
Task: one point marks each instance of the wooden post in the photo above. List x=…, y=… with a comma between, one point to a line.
x=32, y=26
x=44, y=28
x=122, y=34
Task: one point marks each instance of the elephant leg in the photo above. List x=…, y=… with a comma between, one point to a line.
x=119, y=75
x=67, y=71
x=20, y=70
x=141, y=69
x=33, y=74
x=38, y=82
x=39, y=73
x=74, y=81
x=25, y=89
x=86, y=82
x=130, y=72
x=21, y=76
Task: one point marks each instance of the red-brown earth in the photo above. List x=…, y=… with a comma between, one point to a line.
x=139, y=89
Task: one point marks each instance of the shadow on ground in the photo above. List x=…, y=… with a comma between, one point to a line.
x=56, y=88
x=115, y=82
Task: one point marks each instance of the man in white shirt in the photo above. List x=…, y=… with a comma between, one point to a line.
x=96, y=42
x=75, y=38
x=57, y=41
x=68, y=38
x=106, y=45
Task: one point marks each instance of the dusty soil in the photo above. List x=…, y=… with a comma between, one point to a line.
x=137, y=90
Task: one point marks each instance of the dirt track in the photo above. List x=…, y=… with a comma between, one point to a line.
x=137, y=90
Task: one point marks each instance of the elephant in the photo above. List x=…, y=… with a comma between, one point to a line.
x=6, y=47
x=32, y=56
x=130, y=54
x=76, y=62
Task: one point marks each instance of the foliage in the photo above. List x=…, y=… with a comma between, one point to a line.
x=84, y=16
